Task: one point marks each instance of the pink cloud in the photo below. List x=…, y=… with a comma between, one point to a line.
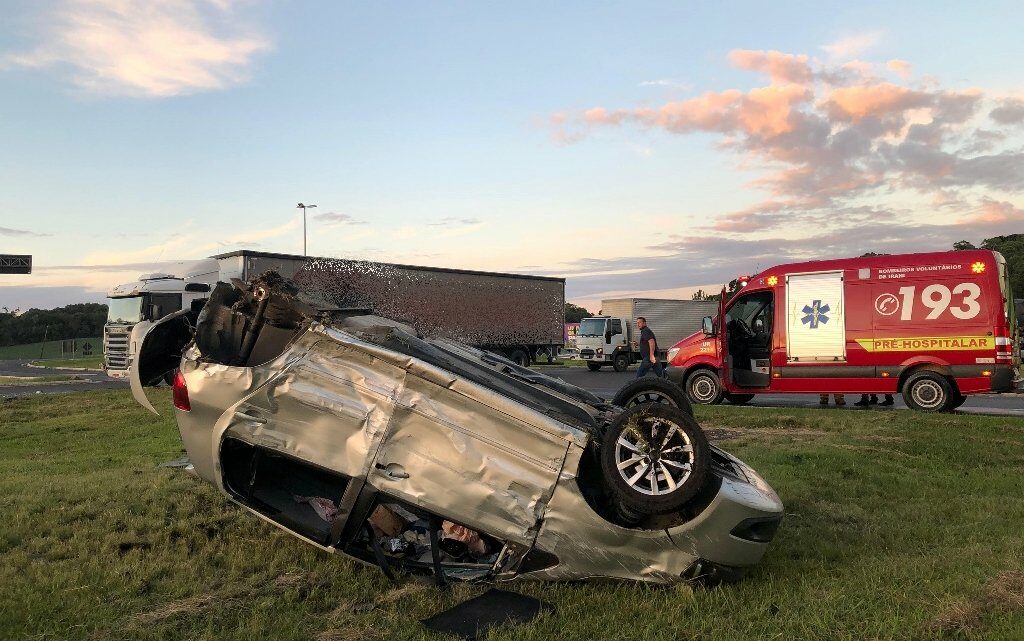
x=901, y=68
x=780, y=67
x=827, y=138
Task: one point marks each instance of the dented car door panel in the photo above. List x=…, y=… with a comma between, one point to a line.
x=440, y=438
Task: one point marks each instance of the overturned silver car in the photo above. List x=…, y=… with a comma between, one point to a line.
x=422, y=455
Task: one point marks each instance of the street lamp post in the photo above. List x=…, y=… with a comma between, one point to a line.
x=304, y=208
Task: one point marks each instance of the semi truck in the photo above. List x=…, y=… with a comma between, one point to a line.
x=935, y=327
x=519, y=316
x=612, y=338
x=149, y=299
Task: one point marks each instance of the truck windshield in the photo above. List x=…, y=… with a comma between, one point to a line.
x=592, y=327
x=124, y=310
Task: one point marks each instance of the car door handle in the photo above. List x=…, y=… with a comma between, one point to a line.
x=393, y=471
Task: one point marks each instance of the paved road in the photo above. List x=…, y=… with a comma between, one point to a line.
x=90, y=380
x=606, y=382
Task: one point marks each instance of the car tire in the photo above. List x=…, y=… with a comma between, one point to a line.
x=621, y=362
x=519, y=357
x=659, y=479
x=928, y=392
x=738, y=399
x=593, y=367
x=704, y=387
x=652, y=390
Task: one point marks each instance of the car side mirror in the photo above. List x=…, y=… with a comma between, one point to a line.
x=708, y=326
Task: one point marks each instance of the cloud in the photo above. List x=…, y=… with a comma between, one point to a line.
x=8, y=231
x=152, y=48
x=451, y=221
x=666, y=82
x=780, y=67
x=854, y=45
x=1009, y=112
x=825, y=141
x=901, y=68
x=337, y=218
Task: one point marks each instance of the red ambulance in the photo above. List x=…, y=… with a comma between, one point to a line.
x=934, y=327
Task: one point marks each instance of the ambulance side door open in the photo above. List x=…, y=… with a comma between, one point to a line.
x=748, y=339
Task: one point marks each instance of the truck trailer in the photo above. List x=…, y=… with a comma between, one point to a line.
x=934, y=327
x=612, y=339
x=519, y=316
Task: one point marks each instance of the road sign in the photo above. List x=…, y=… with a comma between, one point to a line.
x=15, y=264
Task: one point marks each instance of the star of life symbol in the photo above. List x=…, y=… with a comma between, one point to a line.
x=815, y=313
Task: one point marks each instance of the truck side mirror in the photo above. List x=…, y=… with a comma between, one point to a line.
x=708, y=326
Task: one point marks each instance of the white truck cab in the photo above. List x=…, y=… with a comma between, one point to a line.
x=603, y=340
x=147, y=300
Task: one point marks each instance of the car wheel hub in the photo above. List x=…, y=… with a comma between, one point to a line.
x=657, y=464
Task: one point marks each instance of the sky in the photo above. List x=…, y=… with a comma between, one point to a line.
x=637, y=149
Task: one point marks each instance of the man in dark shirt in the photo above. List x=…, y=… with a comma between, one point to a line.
x=648, y=350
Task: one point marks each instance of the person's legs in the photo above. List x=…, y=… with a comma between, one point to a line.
x=840, y=399
x=863, y=402
x=888, y=400
x=822, y=399
x=659, y=371
x=874, y=399
x=645, y=366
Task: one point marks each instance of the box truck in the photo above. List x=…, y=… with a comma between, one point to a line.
x=612, y=338
x=934, y=327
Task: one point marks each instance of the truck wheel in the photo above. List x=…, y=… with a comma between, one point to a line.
x=738, y=399
x=704, y=387
x=927, y=392
x=652, y=390
x=621, y=362
x=655, y=458
x=593, y=367
x=519, y=357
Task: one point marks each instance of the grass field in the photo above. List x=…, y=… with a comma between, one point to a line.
x=85, y=362
x=898, y=526
x=54, y=349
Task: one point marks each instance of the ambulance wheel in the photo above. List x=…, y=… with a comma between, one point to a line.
x=655, y=458
x=621, y=362
x=652, y=390
x=593, y=367
x=738, y=399
x=704, y=387
x=928, y=392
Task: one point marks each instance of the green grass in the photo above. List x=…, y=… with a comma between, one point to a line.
x=85, y=362
x=53, y=349
x=898, y=526
x=31, y=380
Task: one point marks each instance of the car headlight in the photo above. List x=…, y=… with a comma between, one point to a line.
x=672, y=352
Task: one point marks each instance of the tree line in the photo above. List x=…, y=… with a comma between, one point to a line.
x=83, y=320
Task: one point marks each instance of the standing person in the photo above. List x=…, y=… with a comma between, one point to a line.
x=648, y=350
